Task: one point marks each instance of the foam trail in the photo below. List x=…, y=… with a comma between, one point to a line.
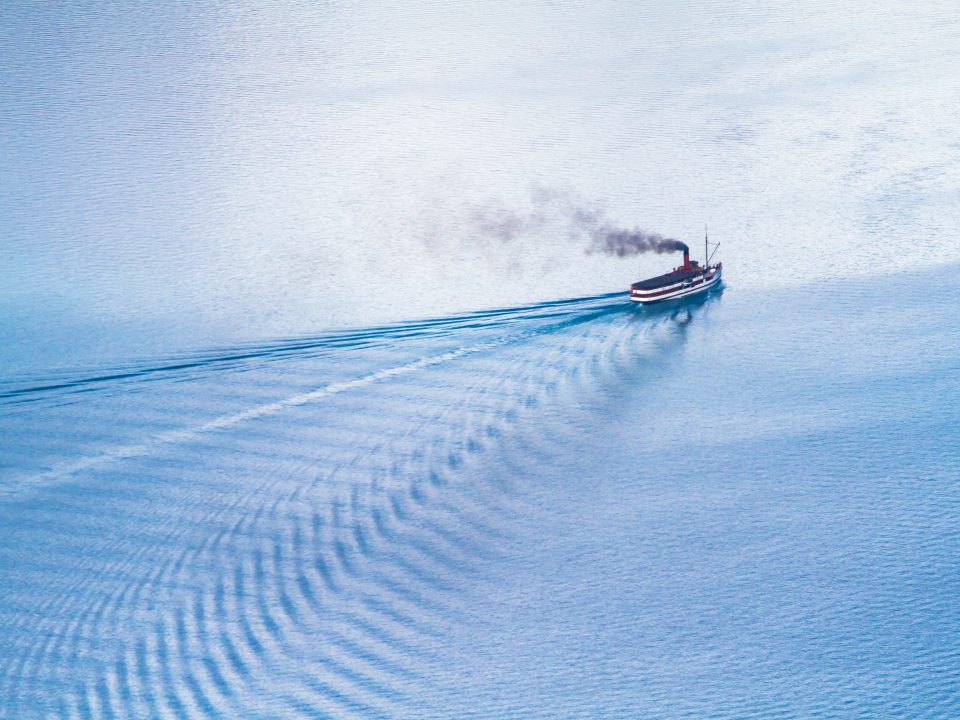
x=226, y=421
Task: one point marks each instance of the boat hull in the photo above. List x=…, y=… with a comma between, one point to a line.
x=681, y=290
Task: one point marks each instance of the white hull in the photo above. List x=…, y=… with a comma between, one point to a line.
x=677, y=291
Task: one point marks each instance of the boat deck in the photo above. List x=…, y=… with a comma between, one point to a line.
x=663, y=280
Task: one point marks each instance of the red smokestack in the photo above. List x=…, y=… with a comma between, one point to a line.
x=686, y=259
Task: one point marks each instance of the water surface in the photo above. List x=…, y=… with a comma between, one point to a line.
x=287, y=431
x=744, y=507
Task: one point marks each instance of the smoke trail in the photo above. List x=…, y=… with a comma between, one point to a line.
x=623, y=243
x=561, y=213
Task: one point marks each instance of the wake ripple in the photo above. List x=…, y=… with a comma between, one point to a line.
x=288, y=529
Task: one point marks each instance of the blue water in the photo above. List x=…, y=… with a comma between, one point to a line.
x=312, y=403
x=741, y=507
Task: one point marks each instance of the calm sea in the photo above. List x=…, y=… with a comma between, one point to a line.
x=267, y=451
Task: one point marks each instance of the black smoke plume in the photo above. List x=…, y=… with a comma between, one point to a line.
x=624, y=243
x=561, y=213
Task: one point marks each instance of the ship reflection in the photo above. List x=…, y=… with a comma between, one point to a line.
x=682, y=310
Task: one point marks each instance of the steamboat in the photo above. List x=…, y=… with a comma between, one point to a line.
x=691, y=278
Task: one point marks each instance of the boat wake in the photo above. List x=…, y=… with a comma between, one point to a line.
x=286, y=529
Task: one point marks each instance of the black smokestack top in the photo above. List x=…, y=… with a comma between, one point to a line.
x=624, y=243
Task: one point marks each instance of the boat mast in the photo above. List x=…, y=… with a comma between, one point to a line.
x=706, y=251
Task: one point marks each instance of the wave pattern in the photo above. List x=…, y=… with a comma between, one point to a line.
x=286, y=529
